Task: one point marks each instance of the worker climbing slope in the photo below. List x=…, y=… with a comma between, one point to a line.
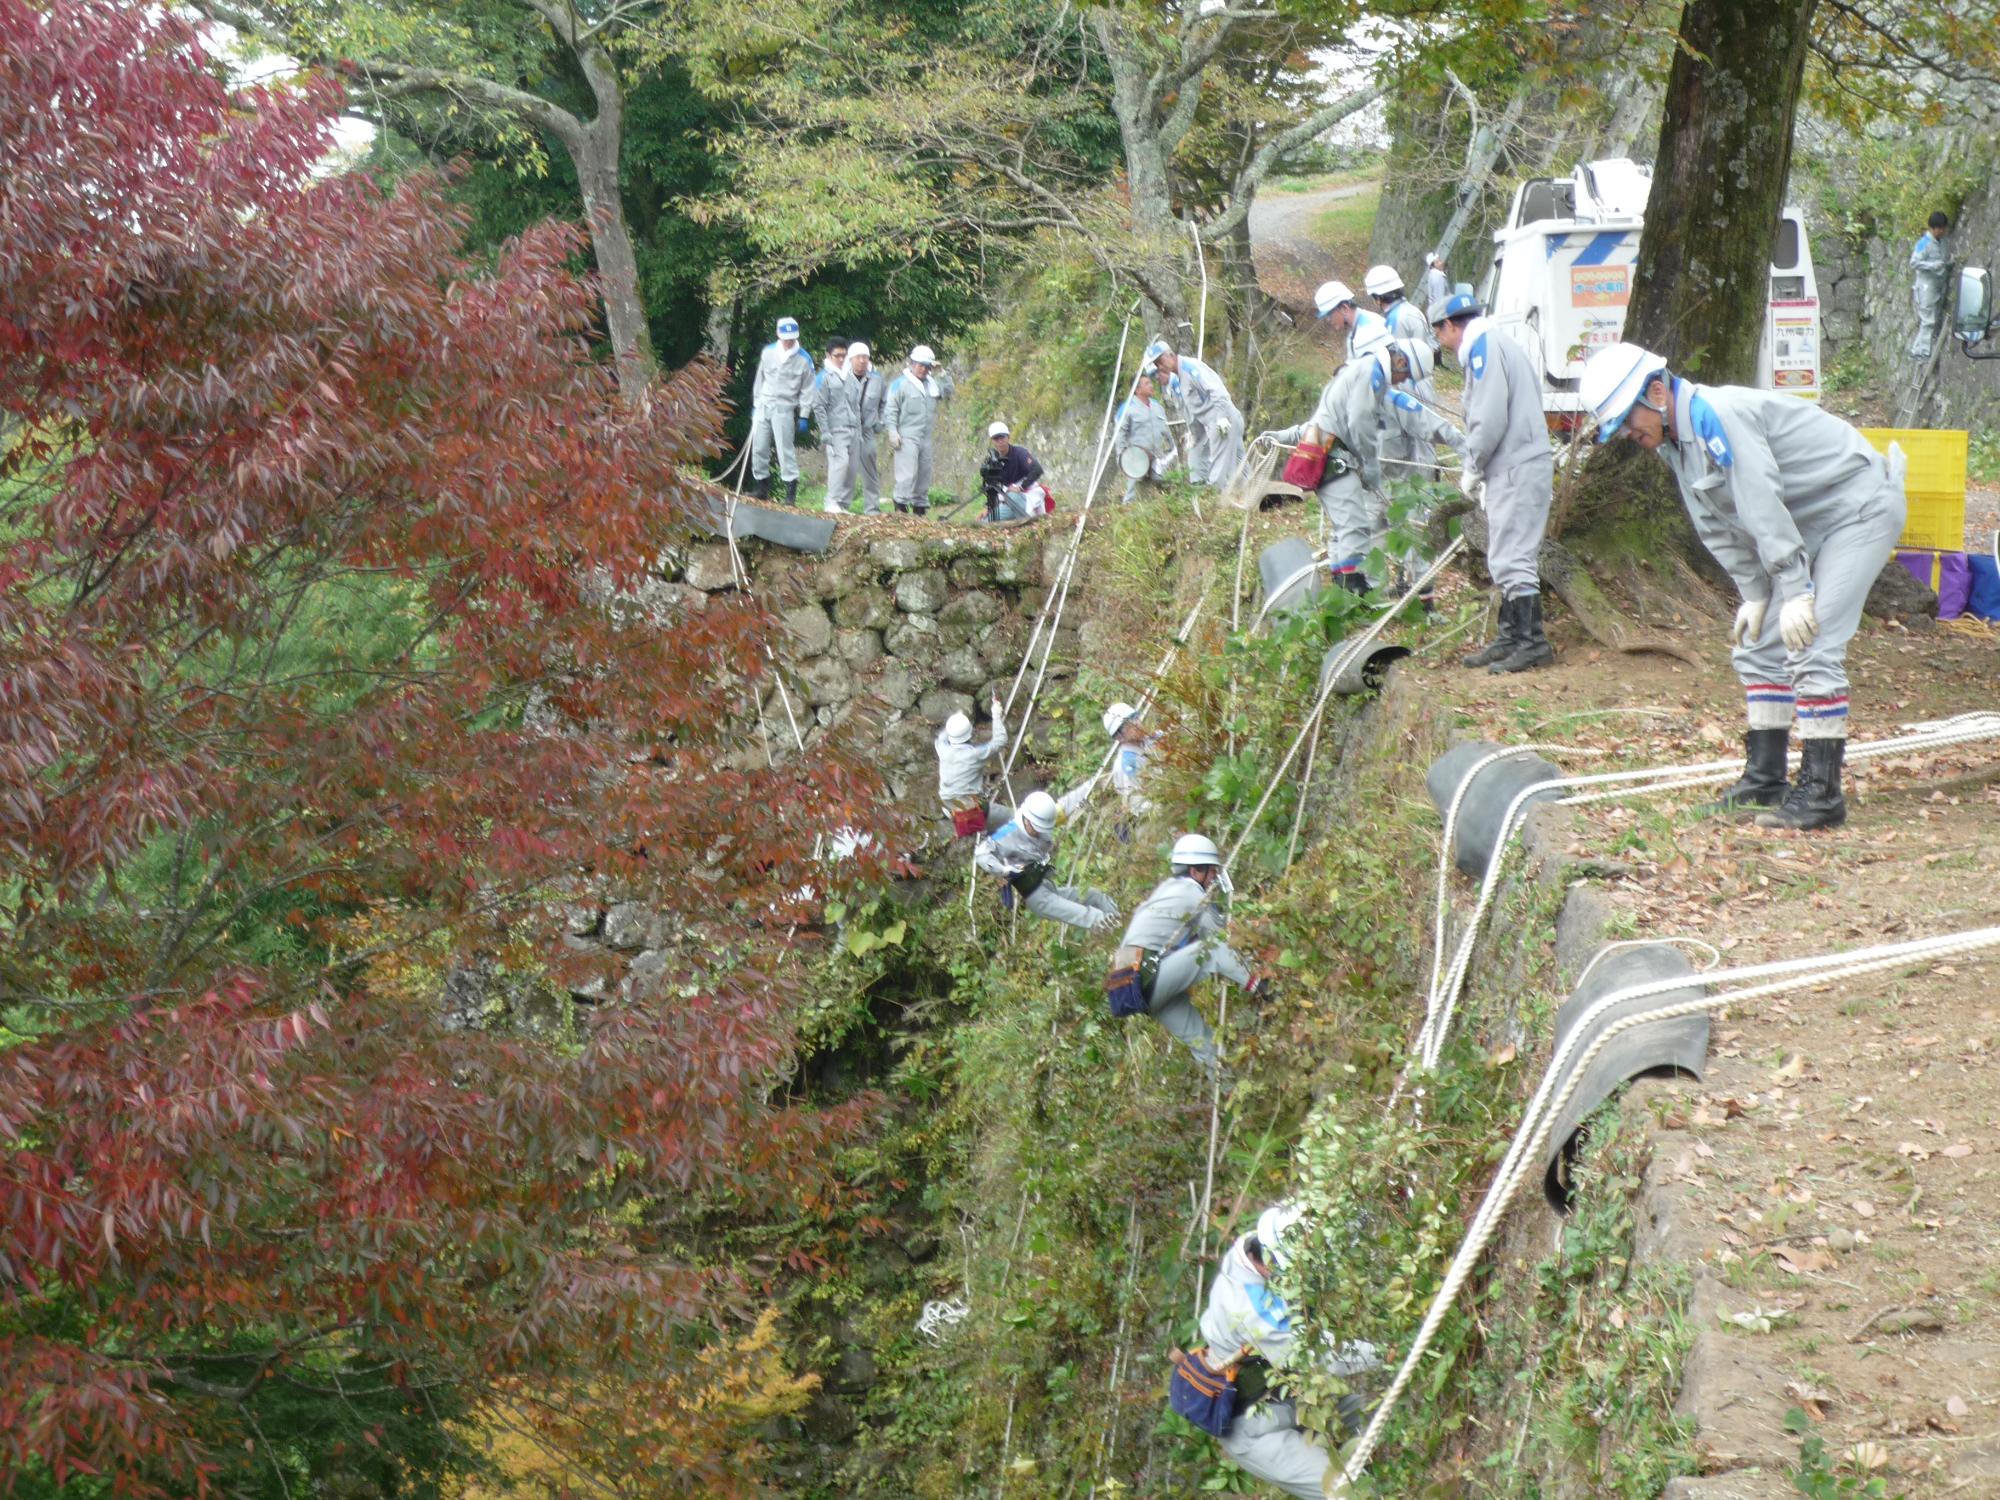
x=1348, y=421
x=1018, y=854
x=1215, y=426
x=1509, y=470
x=1174, y=941
x=1246, y=1325
x=1128, y=758
x=962, y=771
x=1800, y=511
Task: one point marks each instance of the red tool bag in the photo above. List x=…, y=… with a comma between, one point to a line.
x=1307, y=466
x=968, y=819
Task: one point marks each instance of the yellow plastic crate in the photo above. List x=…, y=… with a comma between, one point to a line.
x=1935, y=486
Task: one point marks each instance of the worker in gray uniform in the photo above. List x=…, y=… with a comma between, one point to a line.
x=1142, y=424
x=1800, y=510
x=1509, y=470
x=781, y=387
x=1175, y=938
x=962, y=770
x=1414, y=429
x=1930, y=261
x=1247, y=1325
x=1437, y=282
x=1215, y=426
x=870, y=391
x=836, y=409
x=1347, y=420
x=1385, y=285
x=1018, y=853
x=909, y=413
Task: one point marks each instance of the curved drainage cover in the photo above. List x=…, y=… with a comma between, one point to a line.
x=1658, y=1049
x=1291, y=579
x=1487, y=800
x=798, y=530
x=1364, y=674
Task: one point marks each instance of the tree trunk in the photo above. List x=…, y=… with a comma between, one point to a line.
x=617, y=266
x=1703, y=279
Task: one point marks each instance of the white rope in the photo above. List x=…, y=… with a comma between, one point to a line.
x=1443, y=999
x=1531, y=1138
x=742, y=576
x=1201, y=263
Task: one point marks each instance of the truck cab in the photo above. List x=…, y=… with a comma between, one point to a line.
x=1561, y=279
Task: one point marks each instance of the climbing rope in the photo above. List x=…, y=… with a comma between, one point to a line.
x=1531, y=1138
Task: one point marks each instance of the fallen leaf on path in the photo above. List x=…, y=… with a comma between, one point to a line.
x=1956, y=1407
x=1863, y=1207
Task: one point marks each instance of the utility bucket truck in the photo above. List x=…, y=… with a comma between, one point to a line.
x=1562, y=277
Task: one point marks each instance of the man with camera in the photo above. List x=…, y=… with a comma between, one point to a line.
x=1012, y=479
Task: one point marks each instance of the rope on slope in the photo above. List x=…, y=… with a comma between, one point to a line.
x=1531, y=1138
x=1443, y=999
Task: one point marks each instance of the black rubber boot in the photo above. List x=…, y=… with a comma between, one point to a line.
x=1354, y=583
x=1533, y=649
x=760, y=489
x=791, y=492
x=1505, y=640
x=902, y=509
x=1763, y=780
x=1814, y=800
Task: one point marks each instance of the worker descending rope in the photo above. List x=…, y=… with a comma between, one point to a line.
x=1412, y=432
x=1018, y=854
x=1796, y=506
x=1128, y=761
x=1173, y=941
x=1347, y=420
x=962, y=771
x=1251, y=1344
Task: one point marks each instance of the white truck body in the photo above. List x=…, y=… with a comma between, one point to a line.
x=1562, y=277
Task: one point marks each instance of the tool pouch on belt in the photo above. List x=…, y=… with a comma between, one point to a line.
x=1199, y=1391
x=968, y=817
x=1028, y=881
x=1307, y=466
x=1124, y=983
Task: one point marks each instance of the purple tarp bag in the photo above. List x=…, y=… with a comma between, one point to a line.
x=1946, y=574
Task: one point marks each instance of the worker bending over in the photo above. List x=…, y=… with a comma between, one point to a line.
x=1800, y=511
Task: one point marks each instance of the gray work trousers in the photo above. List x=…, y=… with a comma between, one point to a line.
x=868, y=478
x=840, y=455
x=1149, y=480
x=1213, y=460
x=774, y=426
x=1843, y=570
x=1266, y=1443
x=1086, y=909
x=913, y=474
x=1179, y=972
x=1517, y=513
x=1357, y=519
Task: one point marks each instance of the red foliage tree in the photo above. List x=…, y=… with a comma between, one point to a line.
x=306, y=527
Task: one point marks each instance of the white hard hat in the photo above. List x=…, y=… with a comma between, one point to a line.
x=1431, y=258
x=1116, y=717
x=1370, y=332
x=921, y=355
x=857, y=349
x=1613, y=379
x=998, y=429
x=788, y=328
x=1038, y=811
x=1330, y=295
x=1422, y=358
x=1193, y=849
x=1274, y=1224
x=1153, y=352
x=1381, y=280
x=958, y=729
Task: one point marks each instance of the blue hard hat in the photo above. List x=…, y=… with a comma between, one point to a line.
x=1456, y=306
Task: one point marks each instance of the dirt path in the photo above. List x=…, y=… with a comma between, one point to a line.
x=1291, y=260
x=1835, y=1181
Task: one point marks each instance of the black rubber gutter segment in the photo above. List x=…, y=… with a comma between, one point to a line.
x=1657, y=1049
x=1486, y=801
x=801, y=531
x=1364, y=673
x=1291, y=581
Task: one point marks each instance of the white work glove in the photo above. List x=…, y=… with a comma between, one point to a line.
x=1472, y=486
x=895, y=440
x=1749, y=626
x=1222, y=428
x=996, y=713
x=1798, y=622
